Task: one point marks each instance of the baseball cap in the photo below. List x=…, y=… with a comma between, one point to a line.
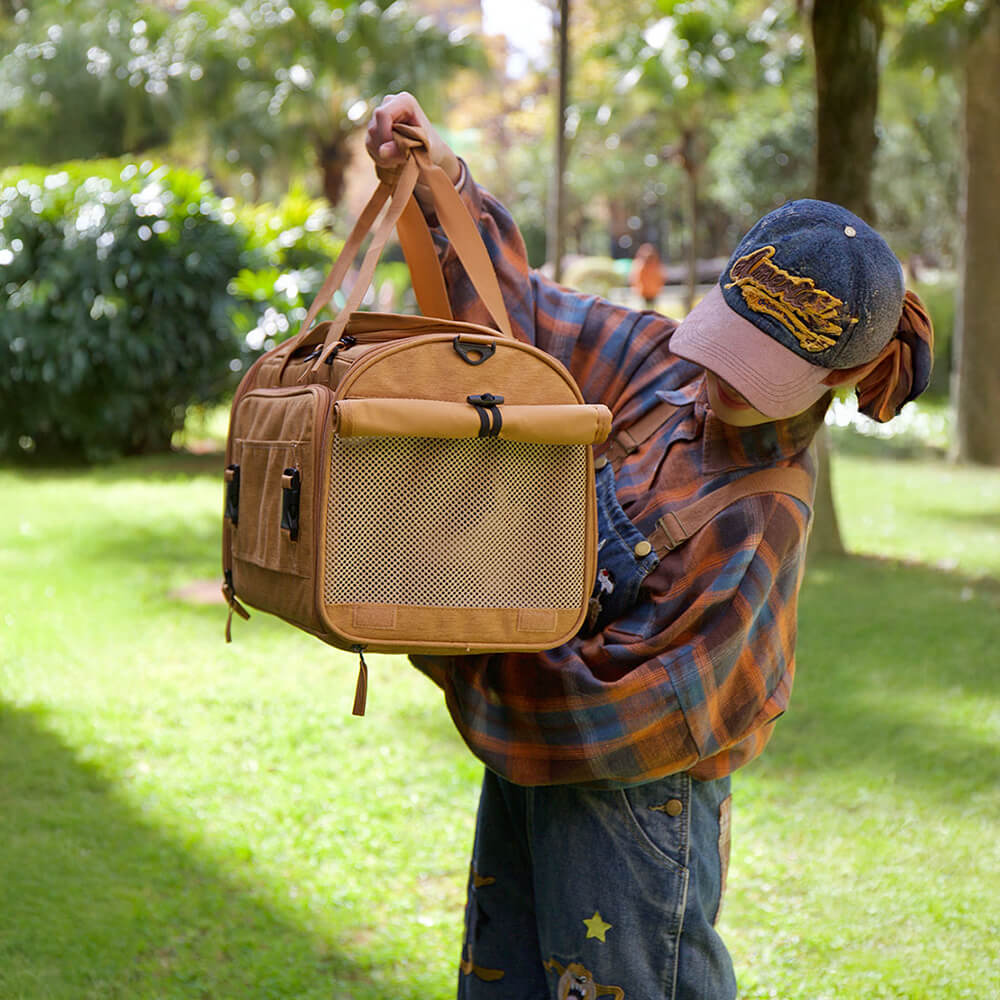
x=810, y=288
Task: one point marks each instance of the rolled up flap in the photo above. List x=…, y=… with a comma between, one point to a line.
x=572, y=423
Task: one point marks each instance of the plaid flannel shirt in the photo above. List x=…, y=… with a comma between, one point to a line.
x=694, y=678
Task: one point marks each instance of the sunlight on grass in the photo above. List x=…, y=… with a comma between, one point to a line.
x=926, y=511
x=186, y=818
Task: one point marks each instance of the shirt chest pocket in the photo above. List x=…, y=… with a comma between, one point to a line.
x=625, y=558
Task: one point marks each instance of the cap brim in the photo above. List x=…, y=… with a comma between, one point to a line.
x=772, y=379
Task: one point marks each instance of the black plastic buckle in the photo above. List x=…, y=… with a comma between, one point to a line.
x=474, y=354
x=490, y=418
x=233, y=494
x=290, y=494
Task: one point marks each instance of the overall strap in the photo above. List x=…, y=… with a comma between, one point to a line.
x=678, y=526
x=628, y=440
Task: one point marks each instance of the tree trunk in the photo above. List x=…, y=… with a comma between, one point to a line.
x=825, y=538
x=689, y=161
x=977, y=330
x=846, y=36
x=333, y=157
x=556, y=238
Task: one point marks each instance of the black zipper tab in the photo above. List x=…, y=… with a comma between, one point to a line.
x=345, y=341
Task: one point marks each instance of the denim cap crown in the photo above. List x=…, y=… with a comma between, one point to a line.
x=818, y=280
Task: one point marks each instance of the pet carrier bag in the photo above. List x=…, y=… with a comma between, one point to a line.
x=412, y=484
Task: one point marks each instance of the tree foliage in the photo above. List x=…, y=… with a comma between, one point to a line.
x=258, y=85
x=681, y=75
x=86, y=78
x=286, y=80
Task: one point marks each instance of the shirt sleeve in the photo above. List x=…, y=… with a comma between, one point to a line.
x=614, y=353
x=691, y=679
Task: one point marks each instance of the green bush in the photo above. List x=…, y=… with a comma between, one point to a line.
x=595, y=275
x=293, y=250
x=130, y=292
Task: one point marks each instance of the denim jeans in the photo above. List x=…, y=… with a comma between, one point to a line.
x=576, y=893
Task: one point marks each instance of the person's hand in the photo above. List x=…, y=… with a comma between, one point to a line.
x=404, y=108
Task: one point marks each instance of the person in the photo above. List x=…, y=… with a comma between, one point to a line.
x=647, y=275
x=602, y=838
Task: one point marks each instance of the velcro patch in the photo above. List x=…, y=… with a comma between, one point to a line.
x=374, y=616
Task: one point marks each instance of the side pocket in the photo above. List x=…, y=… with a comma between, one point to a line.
x=259, y=537
x=659, y=812
x=277, y=444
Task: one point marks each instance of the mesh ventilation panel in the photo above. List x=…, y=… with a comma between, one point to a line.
x=469, y=523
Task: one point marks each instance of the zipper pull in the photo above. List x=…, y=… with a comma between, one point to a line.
x=361, y=691
x=346, y=340
x=234, y=605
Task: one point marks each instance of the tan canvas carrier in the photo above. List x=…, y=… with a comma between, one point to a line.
x=403, y=483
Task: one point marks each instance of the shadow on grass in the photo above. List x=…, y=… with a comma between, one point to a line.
x=95, y=902
x=894, y=663
x=989, y=519
x=167, y=465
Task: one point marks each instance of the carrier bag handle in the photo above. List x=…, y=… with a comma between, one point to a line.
x=422, y=260
x=396, y=193
x=459, y=227
x=396, y=187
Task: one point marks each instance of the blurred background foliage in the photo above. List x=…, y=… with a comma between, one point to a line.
x=100, y=311
x=136, y=288
x=687, y=120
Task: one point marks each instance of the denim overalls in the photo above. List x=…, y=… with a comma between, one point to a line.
x=577, y=893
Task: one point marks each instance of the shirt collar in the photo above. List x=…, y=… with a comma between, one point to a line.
x=728, y=447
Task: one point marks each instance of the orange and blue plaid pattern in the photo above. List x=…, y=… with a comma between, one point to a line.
x=693, y=678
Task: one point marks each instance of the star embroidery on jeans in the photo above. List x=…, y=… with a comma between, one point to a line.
x=597, y=927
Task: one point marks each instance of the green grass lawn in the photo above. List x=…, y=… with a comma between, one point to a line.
x=181, y=818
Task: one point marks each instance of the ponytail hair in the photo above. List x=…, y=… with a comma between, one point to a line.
x=903, y=369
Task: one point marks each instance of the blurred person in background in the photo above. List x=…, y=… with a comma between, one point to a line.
x=647, y=275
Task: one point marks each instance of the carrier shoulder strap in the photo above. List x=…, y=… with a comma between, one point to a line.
x=676, y=527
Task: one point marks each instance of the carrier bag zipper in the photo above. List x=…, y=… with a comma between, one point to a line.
x=234, y=605
x=361, y=690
